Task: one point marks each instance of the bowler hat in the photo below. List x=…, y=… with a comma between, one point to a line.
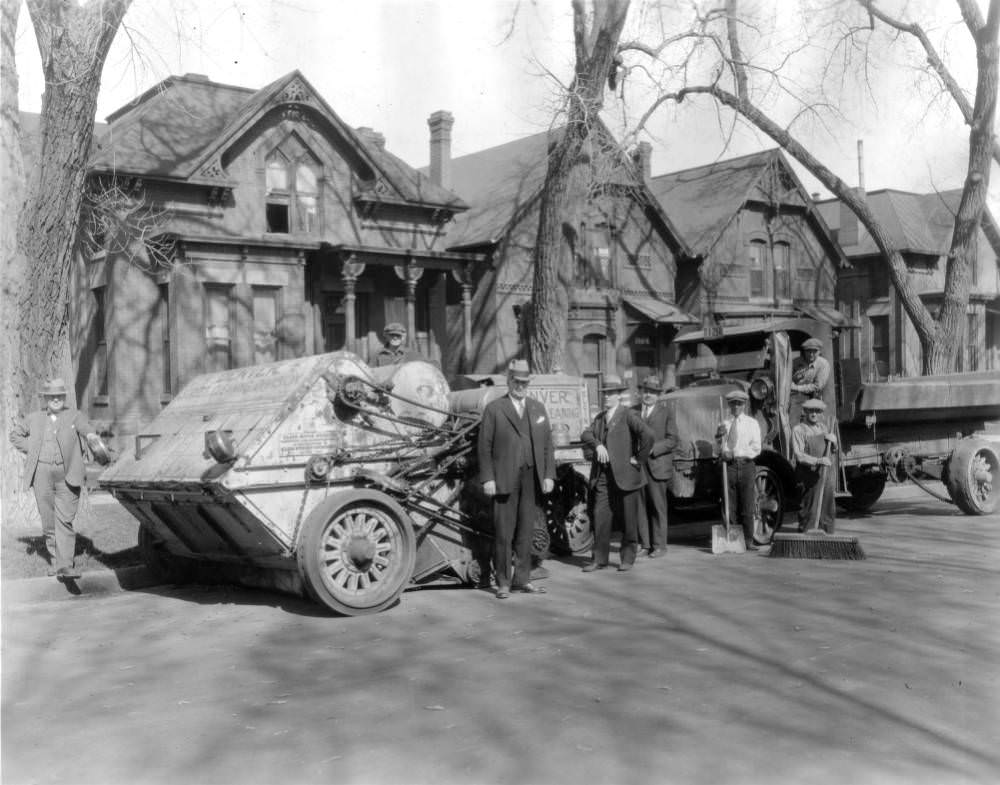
x=652, y=383
x=815, y=404
x=613, y=383
x=737, y=395
x=54, y=387
x=518, y=369
x=394, y=328
x=812, y=343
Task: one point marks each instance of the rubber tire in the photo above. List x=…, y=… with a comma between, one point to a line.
x=768, y=477
x=165, y=566
x=973, y=499
x=865, y=490
x=567, y=516
x=394, y=540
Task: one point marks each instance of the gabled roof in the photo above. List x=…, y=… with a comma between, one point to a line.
x=500, y=182
x=497, y=183
x=182, y=126
x=702, y=201
x=916, y=223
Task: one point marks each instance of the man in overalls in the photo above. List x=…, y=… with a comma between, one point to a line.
x=813, y=446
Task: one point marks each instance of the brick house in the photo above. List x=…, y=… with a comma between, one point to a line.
x=921, y=226
x=758, y=247
x=622, y=246
x=287, y=233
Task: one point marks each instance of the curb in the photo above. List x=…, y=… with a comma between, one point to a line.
x=90, y=584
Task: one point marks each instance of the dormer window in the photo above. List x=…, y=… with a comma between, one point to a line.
x=292, y=177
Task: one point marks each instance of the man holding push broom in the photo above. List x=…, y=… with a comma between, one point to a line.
x=813, y=445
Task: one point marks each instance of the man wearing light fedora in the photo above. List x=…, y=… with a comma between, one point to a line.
x=617, y=443
x=517, y=466
x=54, y=470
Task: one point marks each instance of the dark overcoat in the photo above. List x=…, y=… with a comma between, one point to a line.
x=662, y=423
x=499, y=445
x=625, y=436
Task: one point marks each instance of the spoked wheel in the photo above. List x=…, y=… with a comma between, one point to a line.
x=770, y=507
x=567, y=516
x=973, y=477
x=357, y=552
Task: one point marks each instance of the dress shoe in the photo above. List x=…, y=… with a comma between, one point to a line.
x=68, y=573
x=530, y=589
x=625, y=567
x=503, y=594
x=655, y=553
x=595, y=566
x=52, y=571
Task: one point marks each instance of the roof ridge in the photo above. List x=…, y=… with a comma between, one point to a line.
x=719, y=161
x=163, y=85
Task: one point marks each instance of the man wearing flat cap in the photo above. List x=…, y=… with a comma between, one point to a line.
x=740, y=439
x=54, y=470
x=811, y=372
x=813, y=445
x=517, y=465
x=617, y=443
x=394, y=349
x=659, y=467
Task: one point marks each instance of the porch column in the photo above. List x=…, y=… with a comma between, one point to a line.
x=410, y=273
x=463, y=277
x=351, y=270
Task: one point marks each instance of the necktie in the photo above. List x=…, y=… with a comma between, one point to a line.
x=731, y=436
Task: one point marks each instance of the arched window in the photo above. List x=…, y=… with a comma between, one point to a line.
x=293, y=178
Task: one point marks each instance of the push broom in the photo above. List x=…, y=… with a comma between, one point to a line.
x=814, y=543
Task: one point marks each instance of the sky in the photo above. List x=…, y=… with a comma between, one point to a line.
x=388, y=64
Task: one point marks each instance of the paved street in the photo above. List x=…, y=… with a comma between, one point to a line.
x=691, y=669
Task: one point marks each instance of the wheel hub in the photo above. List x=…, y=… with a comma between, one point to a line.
x=359, y=554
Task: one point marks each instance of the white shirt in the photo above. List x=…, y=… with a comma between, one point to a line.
x=518, y=405
x=745, y=442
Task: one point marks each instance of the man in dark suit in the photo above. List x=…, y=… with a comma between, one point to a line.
x=54, y=469
x=660, y=466
x=617, y=443
x=517, y=466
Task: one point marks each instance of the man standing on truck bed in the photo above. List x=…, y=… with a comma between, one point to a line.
x=740, y=436
x=811, y=372
x=517, y=465
x=660, y=466
x=618, y=444
x=812, y=445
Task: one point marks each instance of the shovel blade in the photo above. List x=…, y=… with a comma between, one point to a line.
x=731, y=542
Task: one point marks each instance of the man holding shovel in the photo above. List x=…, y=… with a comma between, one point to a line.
x=812, y=445
x=740, y=437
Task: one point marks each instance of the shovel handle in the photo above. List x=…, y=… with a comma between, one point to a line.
x=725, y=470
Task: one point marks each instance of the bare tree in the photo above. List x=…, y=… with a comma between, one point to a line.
x=73, y=37
x=596, y=34
x=733, y=86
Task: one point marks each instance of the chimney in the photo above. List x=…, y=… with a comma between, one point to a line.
x=440, y=124
x=642, y=157
x=371, y=136
x=849, y=232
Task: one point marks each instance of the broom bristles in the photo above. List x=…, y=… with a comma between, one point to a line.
x=804, y=546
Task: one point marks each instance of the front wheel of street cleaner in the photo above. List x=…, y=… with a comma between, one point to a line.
x=973, y=477
x=357, y=552
x=166, y=567
x=770, y=507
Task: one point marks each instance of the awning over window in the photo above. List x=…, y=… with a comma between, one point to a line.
x=825, y=314
x=659, y=311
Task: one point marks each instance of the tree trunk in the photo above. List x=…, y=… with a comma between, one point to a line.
x=13, y=263
x=552, y=282
x=73, y=39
